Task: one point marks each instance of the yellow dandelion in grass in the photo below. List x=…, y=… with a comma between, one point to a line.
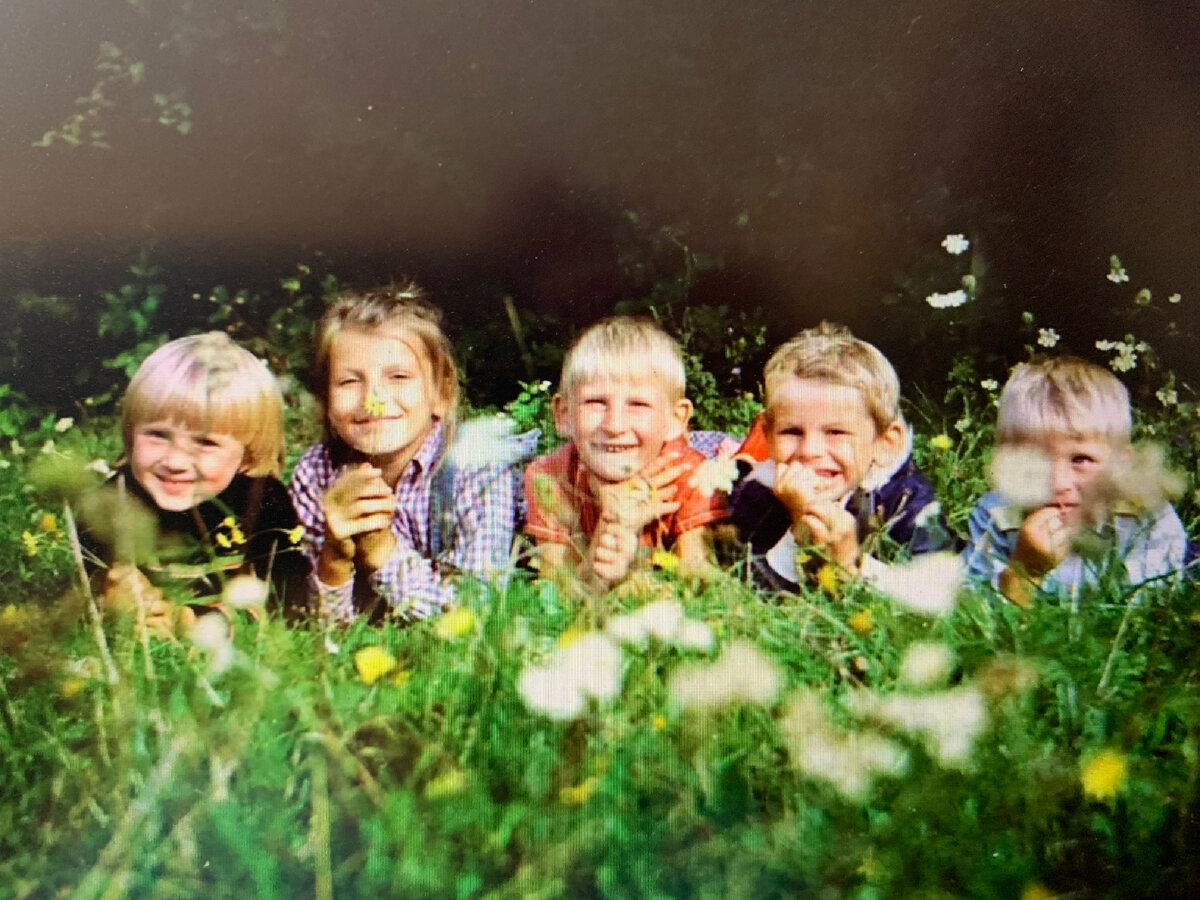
x=942, y=442
x=373, y=663
x=1103, y=776
x=295, y=534
x=569, y=637
x=223, y=540
x=828, y=578
x=454, y=624
x=860, y=622
x=446, y=785
x=31, y=543
x=579, y=794
x=401, y=678
x=1036, y=891
x=374, y=406
x=659, y=723
x=48, y=523
x=665, y=560
x=229, y=522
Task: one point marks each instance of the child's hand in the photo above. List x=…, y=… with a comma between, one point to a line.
x=796, y=486
x=613, y=550
x=828, y=525
x=1043, y=542
x=640, y=500
x=127, y=591
x=359, y=502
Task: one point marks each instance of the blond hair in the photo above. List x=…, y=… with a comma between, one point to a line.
x=207, y=383
x=624, y=347
x=399, y=306
x=1062, y=394
x=829, y=352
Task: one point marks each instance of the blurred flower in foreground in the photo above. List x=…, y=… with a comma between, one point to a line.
x=742, y=673
x=30, y=542
x=955, y=244
x=589, y=666
x=100, y=467
x=580, y=793
x=486, y=440
x=1136, y=481
x=373, y=663
x=941, y=442
x=454, y=624
x=446, y=785
x=1036, y=891
x=926, y=664
x=947, y=722
x=295, y=534
x=664, y=620
x=1005, y=676
x=245, y=592
x=1048, y=337
x=665, y=560
x=211, y=634
x=714, y=475
x=860, y=622
x=1022, y=475
x=947, y=301
x=927, y=585
x=64, y=424
x=847, y=760
x=1103, y=776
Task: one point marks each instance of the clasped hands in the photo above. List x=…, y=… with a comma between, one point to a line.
x=626, y=508
x=358, y=518
x=817, y=521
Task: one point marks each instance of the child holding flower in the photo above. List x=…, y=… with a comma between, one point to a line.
x=1066, y=475
x=389, y=519
x=202, y=425
x=626, y=481
x=832, y=468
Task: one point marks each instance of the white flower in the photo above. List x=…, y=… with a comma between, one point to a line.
x=1167, y=396
x=64, y=424
x=4, y=464
x=544, y=386
x=1048, y=337
x=48, y=447
x=926, y=664
x=663, y=620
x=1116, y=276
x=99, y=466
x=945, y=301
x=1175, y=298
x=211, y=634
x=1022, y=475
x=545, y=692
x=714, y=475
x=989, y=384
x=741, y=673
x=693, y=635
x=589, y=666
x=955, y=244
x=15, y=448
x=947, y=722
x=487, y=440
x=926, y=585
x=245, y=591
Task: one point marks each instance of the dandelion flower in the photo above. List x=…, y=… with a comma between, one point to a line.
x=373, y=406
x=579, y=794
x=692, y=634
x=211, y=634
x=665, y=560
x=545, y=692
x=30, y=542
x=942, y=442
x=860, y=622
x=742, y=673
x=827, y=578
x=373, y=663
x=454, y=624
x=448, y=784
x=295, y=534
x=947, y=301
x=658, y=723
x=947, y=722
x=926, y=664
x=1022, y=475
x=955, y=244
x=1103, y=776
x=590, y=666
x=1137, y=480
x=714, y=475
x=927, y=585
x=1048, y=337
x=48, y=523
x=245, y=592
x=64, y=424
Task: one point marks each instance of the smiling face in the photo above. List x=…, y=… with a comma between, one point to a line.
x=1076, y=462
x=827, y=428
x=619, y=425
x=180, y=467
x=382, y=401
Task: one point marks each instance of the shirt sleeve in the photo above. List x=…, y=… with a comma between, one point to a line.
x=549, y=511
x=1159, y=547
x=988, y=548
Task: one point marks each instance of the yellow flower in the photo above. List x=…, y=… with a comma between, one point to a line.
x=374, y=406
x=1036, y=891
x=229, y=522
x=580, y=793
x=658, y=723
x=373, y=663
x=295, y=534
x=941, y=442
x=72, y=686
x=223, y=540
x=31, y=543
x=570, y=636
x=827, y=578
x=454, y=624
x=48, y=523
x=400, y=679
x=665, y=560
x=860, y=622
x=446, y=785
x=1103, y=775
x=235, y=535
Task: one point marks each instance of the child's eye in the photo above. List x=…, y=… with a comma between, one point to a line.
x=207, y=443
x=156, y=434
x=1082, y=459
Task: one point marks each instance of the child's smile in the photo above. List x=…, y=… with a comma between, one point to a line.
x=179, y=467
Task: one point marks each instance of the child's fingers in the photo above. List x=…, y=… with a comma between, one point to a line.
x=660, y=480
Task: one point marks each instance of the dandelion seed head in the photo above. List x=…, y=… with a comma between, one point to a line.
x=926, y=664
x=927, y=585
x=1022, y=474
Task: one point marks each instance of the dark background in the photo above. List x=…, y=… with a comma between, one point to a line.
x=819, y=149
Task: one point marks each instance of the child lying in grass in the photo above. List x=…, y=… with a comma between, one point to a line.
x=623, y=482
x=1063, y=469
x=202, y=423
x=832, y=468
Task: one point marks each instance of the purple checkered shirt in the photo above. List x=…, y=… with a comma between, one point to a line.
x=412, y=583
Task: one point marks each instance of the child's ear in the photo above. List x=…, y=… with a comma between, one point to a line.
x=890, y=443
x=559, y=404
x=680, y=414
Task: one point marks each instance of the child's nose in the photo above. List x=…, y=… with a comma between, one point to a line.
x=177, y=457
x=615, y=418
x=1062, y=478
x=811, y=446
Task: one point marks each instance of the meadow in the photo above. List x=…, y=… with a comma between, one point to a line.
x=670, y=739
